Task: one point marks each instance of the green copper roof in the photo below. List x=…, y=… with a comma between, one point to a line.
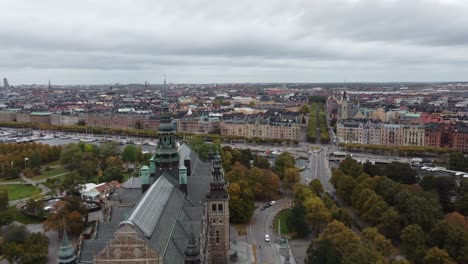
x=66, y=253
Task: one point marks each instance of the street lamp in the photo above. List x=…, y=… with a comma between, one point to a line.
x=25, y=162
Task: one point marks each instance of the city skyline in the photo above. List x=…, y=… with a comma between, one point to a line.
x=267, y=42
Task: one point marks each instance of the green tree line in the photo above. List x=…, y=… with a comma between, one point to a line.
x=407, y=213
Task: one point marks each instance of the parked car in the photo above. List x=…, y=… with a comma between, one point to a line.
x=272, y=203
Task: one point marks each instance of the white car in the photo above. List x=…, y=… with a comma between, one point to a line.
x=267, y=238
x=272, y=202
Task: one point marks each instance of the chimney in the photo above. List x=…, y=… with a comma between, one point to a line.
x=183, y=178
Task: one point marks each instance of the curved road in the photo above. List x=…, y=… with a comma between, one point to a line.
x=260, y=225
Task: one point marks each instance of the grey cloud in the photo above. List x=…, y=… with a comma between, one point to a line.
x=298, y=40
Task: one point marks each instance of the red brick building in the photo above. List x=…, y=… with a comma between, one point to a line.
x=460, y=137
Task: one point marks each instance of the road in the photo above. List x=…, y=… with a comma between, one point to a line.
x=319, y=169
x=260, y=225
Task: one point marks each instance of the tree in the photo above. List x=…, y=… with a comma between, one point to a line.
x=413, y=242
x=14, y=252
x=3, y=199
x=401, y=172
x=227, y=160
x=452, y=238
x=296, y=221
x=35, y=160
x=241, y=204
x=371, y=170
x=16, y=234
x=418, y=208
x=36, y=249
x=445, y=188
x=113, y=162
x=245, y=157
x=113, y=174
x=316, y=186
x=72, y=183
x=458, y=162
x=129, y=153
x=461, y=203
x=343, y=216
x=304, y=109
x=261, y=162
x=71, y=156
x=322, y=252
x=390, y=223
x=88, y=166
x=345, y=187
x=436, y=255
x=68, y=213
x=108, y=149
x=291, y=177
x=374, y=239
x=350, y=167
x=316, y=213
x=284, y=161
x=343, y=239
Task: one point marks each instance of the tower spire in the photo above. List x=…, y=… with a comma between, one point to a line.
x=66, y=254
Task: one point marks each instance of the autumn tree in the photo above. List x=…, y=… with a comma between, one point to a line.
x=316, y=186
x=316, y=213
x=68, y=213
x=372, y=238
x=390, y=224
x=291, y=177
x=436, y=255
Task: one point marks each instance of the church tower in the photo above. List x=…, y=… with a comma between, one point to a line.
x=166, y=157
x=217, y=215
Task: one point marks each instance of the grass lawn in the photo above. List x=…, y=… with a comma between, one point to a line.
x=282, y=216
x=12, y=180
x=19, y=191
x=47, y=174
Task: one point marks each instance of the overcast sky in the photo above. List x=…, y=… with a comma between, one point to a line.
x=109, y=41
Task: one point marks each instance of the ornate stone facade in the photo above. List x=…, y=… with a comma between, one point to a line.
x=127, y=248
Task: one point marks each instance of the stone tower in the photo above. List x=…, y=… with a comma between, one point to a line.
x=166, y=155
x=217, y=215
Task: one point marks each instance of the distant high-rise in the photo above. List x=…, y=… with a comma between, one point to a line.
x=49, y=86
x=5, y=83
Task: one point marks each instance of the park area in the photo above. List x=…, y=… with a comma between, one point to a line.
x=20, y=191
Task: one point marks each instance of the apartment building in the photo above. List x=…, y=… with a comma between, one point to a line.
x=261, y=128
